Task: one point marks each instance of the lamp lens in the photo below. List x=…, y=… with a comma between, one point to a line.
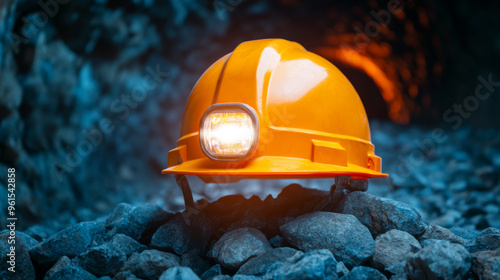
x=228, y=134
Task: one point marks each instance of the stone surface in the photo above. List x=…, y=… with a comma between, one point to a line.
x=212, y=272
x=150, y=264
x=277, y=241
x=364, y=273
x=238, y=277
x=227, y=277
x=198, y=264
x=235, y=211
x=487, y=240
x=236, y=247
x=179, y=273
x=231, y=209
x=393, y=249
x=28, y=240
x=103, y=260
x=439, y=260
x=138, y=222
x=486, y=264
x=69, y=242
x=316, y=264
x=348, y=240
x=434, y=231
x=39, y=232
x=262, y=264
x=341, y=269
x=380, y=215
x=464, y=233
x=400, y=276
x=428, y=242
x=21, y=262
x=64, y=269
x=184, y=232
x=127, y=245
x=125, y=275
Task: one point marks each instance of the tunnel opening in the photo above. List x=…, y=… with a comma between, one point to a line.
x=374, y=103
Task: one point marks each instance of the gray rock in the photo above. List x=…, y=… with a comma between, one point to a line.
x=198, y=264
x=236, y=247
x=449, y=218
x=138, y=222
x=150, y=263
x=428, y=242
x=486, y=265
x=39, y=232
x=487, y=240
x=348, y=240
x=364, y=273
x=69, y=242
x=317, y=264
x=262, y=264
x=227, y=277
x=277, y=241
x=238, y=277
x=183, y=233
x=400, y=276
x=212, y=272
x=127, y=244
x=179, y=273
x=125, y=275
x=27, y=239
x=434, y=231
x=439, y=260
x=285, y=220
x=382, y=214
x=23, y=268
x=464, y=233
x=341, y=269
x=64, y=269
x=393, y=249
x=396, y=268
x=103, y=260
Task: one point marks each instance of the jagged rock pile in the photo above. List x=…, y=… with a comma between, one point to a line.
x=455, y=182
x=366, y=237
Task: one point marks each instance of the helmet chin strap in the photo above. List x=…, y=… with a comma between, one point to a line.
x=337, y=192
x=183, y=183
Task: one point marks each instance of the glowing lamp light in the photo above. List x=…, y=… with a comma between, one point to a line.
x=228, y=132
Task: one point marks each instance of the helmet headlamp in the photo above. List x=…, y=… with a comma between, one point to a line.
x=229, y=132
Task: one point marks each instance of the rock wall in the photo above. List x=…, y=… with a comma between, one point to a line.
x=91, y=92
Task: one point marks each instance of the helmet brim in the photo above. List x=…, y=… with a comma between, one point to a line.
x=268, y=167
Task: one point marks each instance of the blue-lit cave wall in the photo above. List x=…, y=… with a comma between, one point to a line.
x=92, y=92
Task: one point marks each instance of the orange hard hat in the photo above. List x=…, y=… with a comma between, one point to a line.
x=271, y=109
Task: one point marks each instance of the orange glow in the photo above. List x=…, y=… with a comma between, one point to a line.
x=228, y=133
x=385, y=80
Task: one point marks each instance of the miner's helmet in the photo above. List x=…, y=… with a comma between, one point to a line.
x=273, y=110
